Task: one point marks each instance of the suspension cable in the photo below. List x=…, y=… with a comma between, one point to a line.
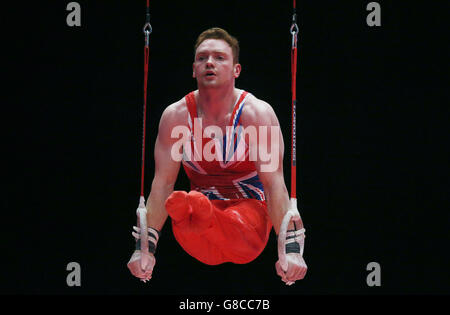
x=294, y=31
x=147, y=30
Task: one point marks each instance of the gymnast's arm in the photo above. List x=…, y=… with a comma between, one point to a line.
x=277, y=198
x=270, y=172
x=166, y=168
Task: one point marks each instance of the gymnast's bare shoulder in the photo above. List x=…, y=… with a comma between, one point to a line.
x=175, y=115
x=257, y=112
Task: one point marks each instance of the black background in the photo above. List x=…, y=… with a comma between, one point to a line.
x=372, y=142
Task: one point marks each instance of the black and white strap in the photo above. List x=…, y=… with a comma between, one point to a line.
x=153, y=237
x=291, y=241
x=295, y=241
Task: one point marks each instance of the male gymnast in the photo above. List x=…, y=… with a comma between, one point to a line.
x=236, y=195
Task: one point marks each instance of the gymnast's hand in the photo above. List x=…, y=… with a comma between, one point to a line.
x=296, y=269
x=290, y=265
x=141, y=265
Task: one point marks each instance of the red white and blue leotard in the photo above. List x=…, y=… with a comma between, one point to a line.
x=231, y=175
x=224, y=217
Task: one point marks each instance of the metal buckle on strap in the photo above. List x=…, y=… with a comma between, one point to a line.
x=294, y=30
x=147, y=31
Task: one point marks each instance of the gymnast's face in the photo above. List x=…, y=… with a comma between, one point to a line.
x=213, y=65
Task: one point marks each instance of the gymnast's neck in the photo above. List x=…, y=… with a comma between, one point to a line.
x=216, y=103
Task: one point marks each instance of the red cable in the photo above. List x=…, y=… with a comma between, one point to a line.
x=146, y=58
x=146, y=54
x=293, y=116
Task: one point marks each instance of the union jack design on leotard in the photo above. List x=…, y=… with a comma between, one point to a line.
x=233, y=175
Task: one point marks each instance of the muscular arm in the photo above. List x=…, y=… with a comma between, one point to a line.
x=141, y=263
x=270, y=172
x=166, y=169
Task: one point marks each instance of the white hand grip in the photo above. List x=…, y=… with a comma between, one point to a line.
x=293, y=214
x=142, y=215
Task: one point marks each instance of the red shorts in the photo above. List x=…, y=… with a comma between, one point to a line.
x=219, y=231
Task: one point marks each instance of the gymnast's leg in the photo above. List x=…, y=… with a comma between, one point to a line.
x=219, y=231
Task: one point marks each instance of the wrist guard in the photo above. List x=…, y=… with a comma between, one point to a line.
x=291, y=241
x=152, y=236
x=146, y=238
